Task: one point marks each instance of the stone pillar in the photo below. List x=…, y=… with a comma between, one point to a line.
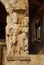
x=17, y=32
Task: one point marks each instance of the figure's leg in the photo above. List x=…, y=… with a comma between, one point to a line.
x=26, y=45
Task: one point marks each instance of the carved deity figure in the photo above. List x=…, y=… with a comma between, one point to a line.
x=11, y=32
x=23, y=36
x=15, y=31
x=25, y=22
x=8, y=34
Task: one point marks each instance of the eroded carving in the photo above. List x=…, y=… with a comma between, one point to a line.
x=17, y=28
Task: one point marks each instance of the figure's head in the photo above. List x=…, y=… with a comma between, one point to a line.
x=14, y=18
x=25, y=21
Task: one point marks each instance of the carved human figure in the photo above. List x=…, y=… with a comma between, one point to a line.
x=15, y=31
x=23, y=36
x=25, y=22
x=8, y=34
x=11, y=32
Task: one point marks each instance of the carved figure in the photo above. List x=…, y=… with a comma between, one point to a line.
x=11, y=32
x=23, y=36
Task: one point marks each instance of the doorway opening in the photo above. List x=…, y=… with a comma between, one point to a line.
x=36, y=27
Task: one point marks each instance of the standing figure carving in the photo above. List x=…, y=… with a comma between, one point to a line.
x=23, y=36
x=11, y=32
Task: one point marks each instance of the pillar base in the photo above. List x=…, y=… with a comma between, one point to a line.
x=18, y=60
x=20, y=57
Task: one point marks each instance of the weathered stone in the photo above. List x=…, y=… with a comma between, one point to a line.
x=25, y=21
x=19, y=4
x=9, y=8
x=17, y=30
x=8, y=20
x=14, y=18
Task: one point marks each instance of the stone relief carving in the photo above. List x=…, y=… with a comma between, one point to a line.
x=8, y=34
x=17, y=31
x=17, y=35
x=23, y=36
x=11, y=31
x=17, y=28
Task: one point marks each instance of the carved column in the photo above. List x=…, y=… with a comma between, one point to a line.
x=17, y=30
